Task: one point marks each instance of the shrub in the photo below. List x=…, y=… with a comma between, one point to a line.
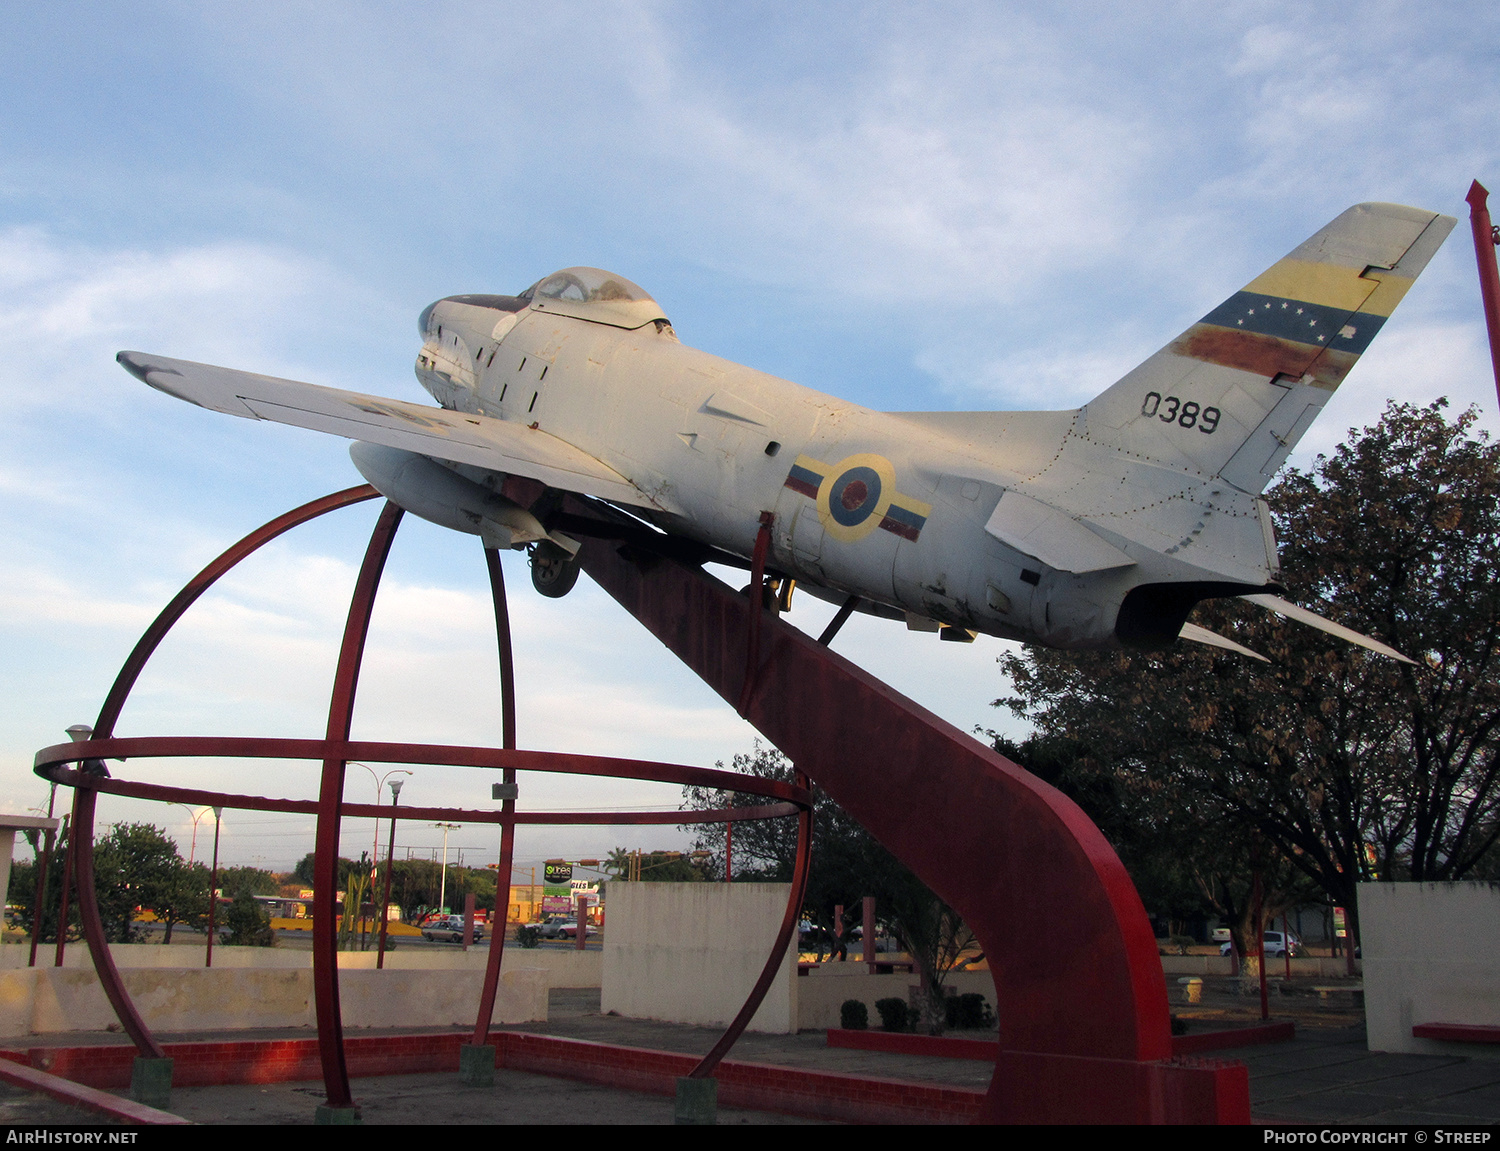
x=528, y=937
x=893, y=1014
x=854, y=1015
x=248, y=925
x=969, y=1011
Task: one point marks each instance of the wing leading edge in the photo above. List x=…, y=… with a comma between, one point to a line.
x=457, y=436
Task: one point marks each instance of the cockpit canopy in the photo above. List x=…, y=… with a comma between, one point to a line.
x=596, y=295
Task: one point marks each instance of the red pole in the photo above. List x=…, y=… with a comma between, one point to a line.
x=39, y=900
x=1485, y=240
x=581, y=936
x=62, y=904
x=868, y=928
x=729, y=852
x=757, y=608
x=1260, y=951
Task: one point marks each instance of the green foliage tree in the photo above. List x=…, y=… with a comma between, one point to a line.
x=1185, y=866
x=181, y=896
x=136, y=865
x=1348, y=766
x=257, y=880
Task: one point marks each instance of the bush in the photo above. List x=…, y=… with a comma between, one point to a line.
x=893, y=1014
x=969, y=1012
x=247, y=925
x=854, y=1015
x=528, y=937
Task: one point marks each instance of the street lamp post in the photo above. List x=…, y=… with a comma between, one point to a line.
x=385, y=899
x=197, y=815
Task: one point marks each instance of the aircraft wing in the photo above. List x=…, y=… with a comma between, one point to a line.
x=458, y=436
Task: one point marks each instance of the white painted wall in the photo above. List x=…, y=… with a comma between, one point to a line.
x=45, y=1000
x=562, y=968
x=250, y=987
x=1431, y=955
x=690, y=953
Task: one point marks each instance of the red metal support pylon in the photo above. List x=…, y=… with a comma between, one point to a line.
x=1485, y=239
x=1084, y=1027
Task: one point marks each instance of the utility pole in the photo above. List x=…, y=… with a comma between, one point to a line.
x=443, y=886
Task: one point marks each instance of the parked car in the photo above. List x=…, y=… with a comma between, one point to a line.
x=1274, y=942
x=449, y=928
x=568, y=929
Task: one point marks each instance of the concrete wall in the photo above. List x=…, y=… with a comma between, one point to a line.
x=250, y=987
x=821, y=992
x=690, y=953
x=1431, y=955
x=43, y=1000
x=560, y=968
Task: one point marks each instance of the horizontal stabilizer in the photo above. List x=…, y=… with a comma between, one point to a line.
x=1213, y=639
x=461, y=437
x=1312, y=619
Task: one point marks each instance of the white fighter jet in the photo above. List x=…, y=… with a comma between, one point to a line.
x=1096, y=527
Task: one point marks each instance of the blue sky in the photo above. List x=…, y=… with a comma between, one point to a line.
x=934, y=206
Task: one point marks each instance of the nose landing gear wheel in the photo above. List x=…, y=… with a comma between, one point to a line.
x=553, y=570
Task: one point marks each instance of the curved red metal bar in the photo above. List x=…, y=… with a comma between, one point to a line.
x=330, y=799
x=195, y=797
x=130, y=671
x=84, y=799
x=434, y=754
x=335, y=751
x=789, y=920
x=508, y=804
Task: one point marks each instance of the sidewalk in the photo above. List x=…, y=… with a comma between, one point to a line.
x=1324, y=1076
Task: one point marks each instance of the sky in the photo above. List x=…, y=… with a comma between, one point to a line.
x=936, y=206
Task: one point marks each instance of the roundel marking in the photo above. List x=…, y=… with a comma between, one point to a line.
x=855, y=495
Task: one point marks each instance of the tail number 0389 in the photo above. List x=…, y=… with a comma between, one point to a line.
x=1186, y=415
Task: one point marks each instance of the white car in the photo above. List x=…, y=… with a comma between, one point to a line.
x=449, y=928
x=1274, y=942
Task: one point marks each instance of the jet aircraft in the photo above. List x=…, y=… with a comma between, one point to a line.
x=1096, y=527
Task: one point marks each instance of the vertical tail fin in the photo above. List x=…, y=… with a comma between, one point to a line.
x=1232, y=395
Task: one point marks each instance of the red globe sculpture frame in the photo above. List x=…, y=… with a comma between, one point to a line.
x=90, y=777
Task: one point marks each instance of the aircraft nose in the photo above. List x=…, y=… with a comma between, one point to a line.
x=425, y=317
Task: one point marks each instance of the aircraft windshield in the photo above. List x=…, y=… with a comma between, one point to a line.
x=595, y=295
x=586, y=285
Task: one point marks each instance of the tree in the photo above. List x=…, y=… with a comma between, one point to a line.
x=246, y=922
x=1349, y=765
x=22, y=895
x=1186, y=867
x=659, y=866
x=180, y=896
x=257, y=880
x=136, y=865
x=847, y=865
